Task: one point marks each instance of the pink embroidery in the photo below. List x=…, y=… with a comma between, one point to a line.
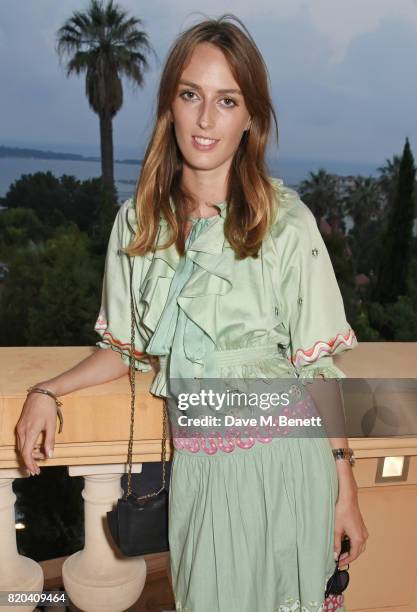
x=243, y=438
x=333, y=602
x=101, y=327
x=312, y=354
x=123, y=345
x=101, y=323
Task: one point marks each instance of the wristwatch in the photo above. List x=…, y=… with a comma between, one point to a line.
x=344, y=453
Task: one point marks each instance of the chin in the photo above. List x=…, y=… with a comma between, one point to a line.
x=197, y=164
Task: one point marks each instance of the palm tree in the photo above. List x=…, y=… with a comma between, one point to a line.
x=364, y=203
x=389, y=176
x=106, y=44
x=320, y=194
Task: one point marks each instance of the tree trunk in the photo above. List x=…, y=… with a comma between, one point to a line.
x=106, y=143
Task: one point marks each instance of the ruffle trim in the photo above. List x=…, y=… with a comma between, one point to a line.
x=212, y=275
x=159, y=384
x=141, y=359
x=108, y=338
x=321, y=347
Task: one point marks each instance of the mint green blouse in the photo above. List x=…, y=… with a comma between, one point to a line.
x=168, y=337
x=209, y=315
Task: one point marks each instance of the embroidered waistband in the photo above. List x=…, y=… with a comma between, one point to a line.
x=240, y=356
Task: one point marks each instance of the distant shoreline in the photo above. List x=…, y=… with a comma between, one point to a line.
x=24, y=153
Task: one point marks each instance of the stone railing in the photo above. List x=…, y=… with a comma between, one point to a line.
x=93, y=444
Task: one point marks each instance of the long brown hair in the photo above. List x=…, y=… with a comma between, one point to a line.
x=251, y=197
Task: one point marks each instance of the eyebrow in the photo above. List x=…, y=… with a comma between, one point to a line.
x=195, y=86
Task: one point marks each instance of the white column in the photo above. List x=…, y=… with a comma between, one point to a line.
x=99, y=578
x=17, y=573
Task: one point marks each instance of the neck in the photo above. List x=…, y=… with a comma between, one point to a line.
x=206, y=188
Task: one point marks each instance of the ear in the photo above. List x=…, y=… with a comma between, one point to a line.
x=248, y=124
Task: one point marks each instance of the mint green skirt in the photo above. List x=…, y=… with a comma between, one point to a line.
x=252, y=530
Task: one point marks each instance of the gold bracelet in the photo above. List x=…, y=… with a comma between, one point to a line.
x=58, y=403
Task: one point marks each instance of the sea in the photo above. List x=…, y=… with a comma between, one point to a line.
x=292, y=171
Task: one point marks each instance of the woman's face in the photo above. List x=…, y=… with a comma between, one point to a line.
x=208, y=104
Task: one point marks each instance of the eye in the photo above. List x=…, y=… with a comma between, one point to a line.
x=230, y=100
x=184, y=93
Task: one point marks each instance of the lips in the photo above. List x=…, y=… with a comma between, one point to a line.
x=204, y=144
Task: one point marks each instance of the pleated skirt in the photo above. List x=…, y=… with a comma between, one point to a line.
x=253, y=530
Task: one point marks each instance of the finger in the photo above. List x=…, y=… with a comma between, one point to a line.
x=20, y=441
x=350, y=556
x=27, y=452
x=21, y=438
x=49, y=443
x=337, y=544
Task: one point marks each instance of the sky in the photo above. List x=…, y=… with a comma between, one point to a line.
x=342, y=74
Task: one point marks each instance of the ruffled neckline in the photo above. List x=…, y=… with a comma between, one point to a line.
x=221, y=205
x=212, y=276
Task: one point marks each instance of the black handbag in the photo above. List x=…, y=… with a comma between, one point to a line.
x=139, y=525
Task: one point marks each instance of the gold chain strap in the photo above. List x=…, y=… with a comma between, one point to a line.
x=132, y=372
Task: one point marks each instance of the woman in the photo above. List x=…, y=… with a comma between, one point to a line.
x=232, y=280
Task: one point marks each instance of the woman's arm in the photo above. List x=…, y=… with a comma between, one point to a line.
x=39, y=410
x=328, y=400
x=113, y=325
x=98, y=368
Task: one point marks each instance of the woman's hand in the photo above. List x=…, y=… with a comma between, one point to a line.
x=38, y=414
x=349, y=521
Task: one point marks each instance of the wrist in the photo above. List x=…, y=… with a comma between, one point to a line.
x=49, y=385
x=348, y=497
x=44, y=390
x=348, y=488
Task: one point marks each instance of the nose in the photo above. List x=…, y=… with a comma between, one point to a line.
x=206, y=119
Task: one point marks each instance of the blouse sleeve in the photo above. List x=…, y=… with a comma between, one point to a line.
x=113, y=323
x=313, y=308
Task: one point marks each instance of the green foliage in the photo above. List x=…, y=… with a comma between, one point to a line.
x=52, y=293
x=402, y=320
x=363, y=328
x=396, y=322
x=68, y=295
x=105, y=212
x=18, y=227
x=56, y=201
x=319, y=192
x=396, y=256
x=380, y=241
x=367, y=245
x=342, y=264
x=365, y=202
x=55, y=258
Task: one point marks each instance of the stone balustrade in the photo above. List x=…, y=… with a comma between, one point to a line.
x=93, y=444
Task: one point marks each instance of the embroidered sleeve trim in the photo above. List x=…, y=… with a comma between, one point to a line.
x=109, y=339
x=101, y=323
x=322, y=347
x=123, y=346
